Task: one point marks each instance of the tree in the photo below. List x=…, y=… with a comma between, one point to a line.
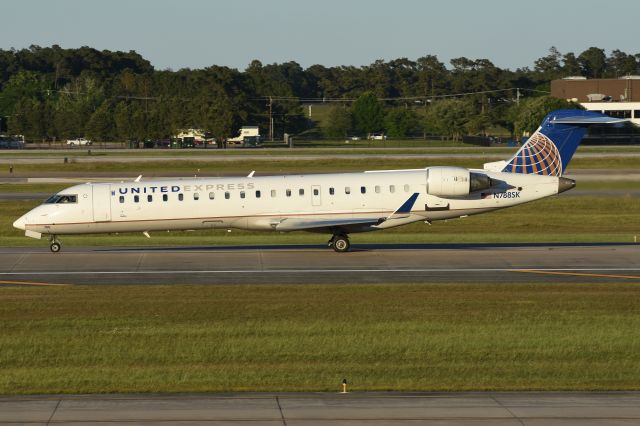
x=339, y=122
x=368, y=114
x=593, y=62
x=620, y=64
x=450, y=117
x=101, y=124
x=570, y=65
x=400, y=122
x=550, y=66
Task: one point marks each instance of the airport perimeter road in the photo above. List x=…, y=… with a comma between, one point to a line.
x=444, y=409
x=428, y=263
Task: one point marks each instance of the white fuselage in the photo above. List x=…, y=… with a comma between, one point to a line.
x=273, y=203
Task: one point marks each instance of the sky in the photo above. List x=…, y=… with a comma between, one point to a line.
x=200, y=33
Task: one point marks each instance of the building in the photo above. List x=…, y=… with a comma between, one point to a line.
x=616, y=97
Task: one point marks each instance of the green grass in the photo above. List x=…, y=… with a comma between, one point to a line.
x=190, y=167
x=103, y=339
x=556, y=219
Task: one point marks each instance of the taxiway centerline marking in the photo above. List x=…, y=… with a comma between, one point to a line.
x=333, y=270
x=33, y=283
x=578, y=274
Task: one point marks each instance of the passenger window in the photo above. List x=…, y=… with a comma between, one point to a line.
x=332, y=191
x=180, y=197
x=301, y=192
x=196, y=196
x=273, y=193
x=406, y=188
x=377, y=189
x=121, y=199
x=258, y=194
x=227, y=195
x=165, y=197
x=363, y=189
x=212, y=195
x=241, y=194
x=392, y=188
x=347, y=190
x=149, y=198
x=288, y=192
x=316, y=192
x=136, y=198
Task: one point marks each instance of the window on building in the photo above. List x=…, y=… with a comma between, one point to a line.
x=636, y=113
x=363, y=189
x=165, y=197
x=212, y=196
x=149, y=198
x=136, y=198
x=196, y=196
x=180, y=197
x=227, y=195
x=121, y=199
x=301, y=192
x=258, y=194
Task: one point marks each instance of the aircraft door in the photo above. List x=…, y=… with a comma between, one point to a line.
x=101, y=202
x=315, y=195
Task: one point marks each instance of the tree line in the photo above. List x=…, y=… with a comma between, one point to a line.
x=54, y=93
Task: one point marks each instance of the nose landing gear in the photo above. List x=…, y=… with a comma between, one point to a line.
x=55, y=245
x=340, y=243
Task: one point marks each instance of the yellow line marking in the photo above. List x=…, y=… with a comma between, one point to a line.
x=578, y=274
x=32, y=283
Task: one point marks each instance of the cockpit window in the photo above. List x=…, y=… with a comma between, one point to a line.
x=62, y=199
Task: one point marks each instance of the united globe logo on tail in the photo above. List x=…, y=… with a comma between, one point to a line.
x=539, y=155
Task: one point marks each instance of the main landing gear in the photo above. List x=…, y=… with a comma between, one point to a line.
x=55, y=245
x=340, y=243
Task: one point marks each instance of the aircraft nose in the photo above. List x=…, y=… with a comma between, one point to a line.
x=20, y=223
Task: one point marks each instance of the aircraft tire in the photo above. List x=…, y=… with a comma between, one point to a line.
x=55, y=247
x=341, y=244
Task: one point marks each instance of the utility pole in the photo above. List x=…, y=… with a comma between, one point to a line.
x=271, y=118
x=517, y=96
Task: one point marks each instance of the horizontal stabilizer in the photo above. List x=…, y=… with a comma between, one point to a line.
x=588, y=121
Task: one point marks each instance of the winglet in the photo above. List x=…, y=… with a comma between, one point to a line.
x=138, y=178
x=405, y=208
x=250, y=175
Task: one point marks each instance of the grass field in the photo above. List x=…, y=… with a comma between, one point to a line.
x=191, y=167
x=308, y=338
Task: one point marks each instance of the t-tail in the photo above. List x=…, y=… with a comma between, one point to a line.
x=550, y=149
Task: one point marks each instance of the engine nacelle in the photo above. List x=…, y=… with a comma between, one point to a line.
x=448, y=182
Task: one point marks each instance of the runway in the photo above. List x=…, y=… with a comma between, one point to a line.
x=444, y=409
x=306, y=264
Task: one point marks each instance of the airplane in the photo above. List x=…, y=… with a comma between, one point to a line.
x=337, y=203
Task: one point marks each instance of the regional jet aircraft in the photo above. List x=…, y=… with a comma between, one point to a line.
x=337, y=204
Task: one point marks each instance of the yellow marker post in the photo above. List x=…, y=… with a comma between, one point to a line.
x=344, y=386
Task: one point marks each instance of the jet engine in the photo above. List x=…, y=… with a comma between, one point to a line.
x=450, y=182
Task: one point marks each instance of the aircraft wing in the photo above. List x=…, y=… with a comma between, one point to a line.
x=299, y=224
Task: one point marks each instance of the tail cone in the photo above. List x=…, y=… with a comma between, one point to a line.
x=565, y=184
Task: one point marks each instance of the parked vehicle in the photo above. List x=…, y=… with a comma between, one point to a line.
x=246, y=132
x=78, y=142
x=378, y=137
